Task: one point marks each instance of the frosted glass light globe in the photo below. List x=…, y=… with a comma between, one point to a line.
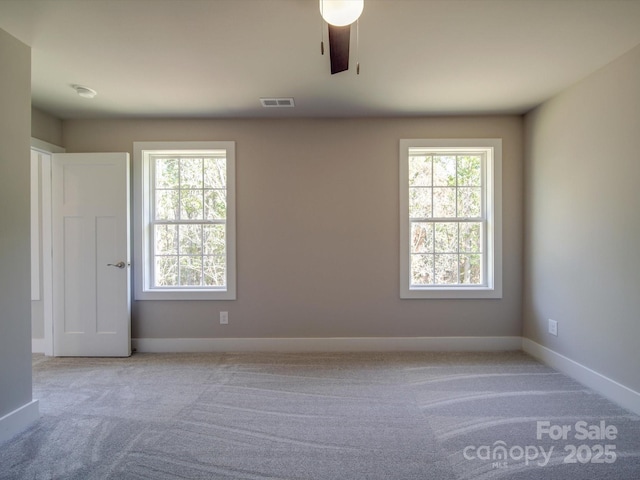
x=341, y=12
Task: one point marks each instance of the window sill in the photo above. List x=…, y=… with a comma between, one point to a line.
x=185, y=295
x=451, y=293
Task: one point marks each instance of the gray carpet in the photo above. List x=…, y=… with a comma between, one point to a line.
x=316, y=416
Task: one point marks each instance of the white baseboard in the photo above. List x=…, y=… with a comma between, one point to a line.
x=18, y=420
x=37, y=345
x=344, y=344
x=618, y=393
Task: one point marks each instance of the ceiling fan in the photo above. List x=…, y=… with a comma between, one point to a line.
x=340, y=15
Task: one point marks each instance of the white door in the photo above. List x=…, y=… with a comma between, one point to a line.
x=90, y=227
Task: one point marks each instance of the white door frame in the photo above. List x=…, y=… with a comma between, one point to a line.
x=46, y=294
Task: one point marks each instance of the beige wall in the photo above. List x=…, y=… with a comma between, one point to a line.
x=15, y=317
x=46, y=127
x=317, y=230
x=583, y=222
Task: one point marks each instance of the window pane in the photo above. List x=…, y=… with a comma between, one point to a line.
x=166, y=271
x=215, y=173
x=190, y=239
x=167, y=172
x=191, y=207
x=421, y=237
x=214, y=239
x=185, y=236
x=191, y=172
x=446, y=237
x=444, y=170
x=469, y=202
x=471, y=237
x=166, y=239
x=214, y=271
x=444, y=202
x=166, y=207
x=470, y=269
x=470, y=170
x=215, y=204
x=421, y=269
x=191, y=271
x=420, y=203
x=446, y=269
x=420, y=171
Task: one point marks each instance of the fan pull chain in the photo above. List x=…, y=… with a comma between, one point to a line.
x=321, y=29
x=357, y=47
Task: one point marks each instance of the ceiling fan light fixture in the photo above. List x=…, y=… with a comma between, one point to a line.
x=84, y=92
x=341, y=12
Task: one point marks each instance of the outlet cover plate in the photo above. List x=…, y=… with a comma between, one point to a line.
x=553, y=327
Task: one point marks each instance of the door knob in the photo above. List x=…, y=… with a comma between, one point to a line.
x=117, y=265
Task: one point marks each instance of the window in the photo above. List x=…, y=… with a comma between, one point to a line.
x=185, y=220
x=450, y=218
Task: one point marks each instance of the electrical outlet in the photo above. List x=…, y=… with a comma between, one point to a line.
x=553, y=327
x=224, y=318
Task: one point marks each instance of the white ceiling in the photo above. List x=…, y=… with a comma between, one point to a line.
x=216, y=58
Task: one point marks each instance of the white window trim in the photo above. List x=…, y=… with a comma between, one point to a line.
x=493, y=199
x=142, y=263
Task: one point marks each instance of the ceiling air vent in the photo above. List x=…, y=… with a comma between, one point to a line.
x=277, y=102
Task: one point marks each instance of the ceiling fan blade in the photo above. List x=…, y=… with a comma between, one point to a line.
x=339, y=48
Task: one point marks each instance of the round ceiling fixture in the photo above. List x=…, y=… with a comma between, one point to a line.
x=84, y=92
x=341, y=12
